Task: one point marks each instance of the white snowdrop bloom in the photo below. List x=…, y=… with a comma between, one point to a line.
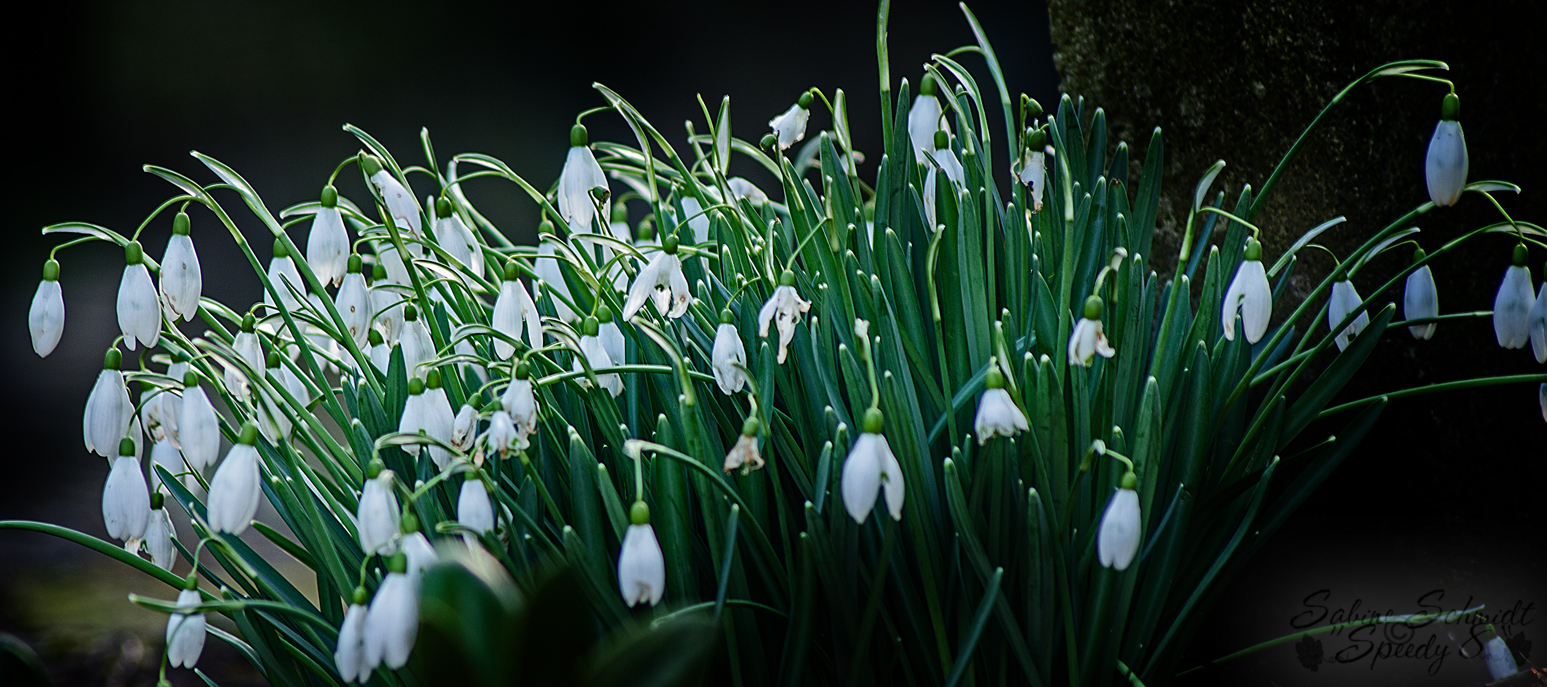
x=377, y=515
x=611, y=336
x=125, y=498
x=349, y=657
x=392, y=622
x=1033, y=168
x=869, y=469
x=400, y=203
x=282, y=271
x=327, y=244
x=513, y=308
x=45, y=320
x=1512, y=306
x=474, y=510
x=353, y=302
x=396, y=267
x=464, y=429
x=596, y=356
x=1088, y=337
x=580, y=176
x=185, y=632
x=547, y=268
x=136, y=436
x=924, y=119
x=249, y=350
x=234, y=492
x=158, y=414
x=139, y=308
x=421, y=555
x=661, y=282
x=931, y=177
x=1500, y=663
x=429, y=412
x=380, y=352
x=641, y=567
x=108, y=409
x=745, y=454
x=945, y=159
x=741, y=188
x=728, y=356
x=1420, y=299
x=182, y=282
x=387, y=300
x=1537, y=323
x=790, y=127
x=418, y=347
x=783, y=309
x=1250, y=293
x=1117, y=542
x=997, y=413
x=198, y=427
x=502, y=435
x=456, y=238
x=1345, y=300
x=1445, y=166
x=520, y=400
x=159, y=535
x=619, y=225
x=273, y=421
x=166, y=455
x=697, y=220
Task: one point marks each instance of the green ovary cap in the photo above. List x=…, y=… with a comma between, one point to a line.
x=751, y=427
x=374, y=468
x=1253, y=249
x=512, y=272
x=1418, y=253
x=1130, y=481
x=378, y=271
x=603, y=313
x=158, y=500
x=1093, y=307
x=329, y=196
x=113, y=359
x=669, y=244
x=639, y=514
x=410, y=524
x=133, y=253
x=249, y=434
x=280, y=250
x=1520, y=256
x=522, y=371
x=995, y=379
x=248, y=322
x=1450, y=109
x=768, y=141
x=590, y=327
x=190, y=379
x=360, y=596
x=620, y=213
x=415, y=386
x=410, y=313
x=355, y=264
x=787, y=278
x=369, y=164
x=805, y=100
x=432, y=379
x=398, y=563
x=126, y=447
x=1036, y=139
x=180, y=224
x=442, y=207
x=51, y=270
x=577, y=136
x=942, y=139
x=545, y=226
x=375, y=338
x=873, y=421
x=726, y=317
x=273, y=360
x=927, y=85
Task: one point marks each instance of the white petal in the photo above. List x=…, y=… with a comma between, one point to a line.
x=1512, y=308
x=1420, y=300
x=159, y=535
x=282, y=271
x=1445, y=166
x=438, y=420
x=465, y=427
x=418, y=347
x=728, y=353
x=891, y=477
x=649, y=280
x=861, y=481
x=923, y=121
x=198, y=428
x=1257, y=300
x=46, y=318
x=377, y=516
x=998, y=416
x=126, y=500
x=1537, y=323
x=1082, y=343
x=697, y=221
x=327, y=246
x=233, y=493
x=741, y=188
x=581, y=174
x=400, y=203
x=641, y=567
x=1345, y=299
x=1118, y=540
x=521, y=403
x=139, y=308
x=185, y=633
x=473, y=508
x=502, y=435
x=182, y=281
x=790, y=127
x=107, y=414
x=392, y=623
x=354, y=307
x=547, y=267
x=350, y=655
x=507, y=316
x=1500, y=663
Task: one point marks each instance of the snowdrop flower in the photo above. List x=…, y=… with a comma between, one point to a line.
x=233, y=493
x=456, y=238
x=198, y=428
x=400, y=203
x=474, y=510
x=45, y=320
x=661, y=282
x=413, y=544
x=512, y=308
x=392, y=622
x=641, y=567
x=282, y=271
x=945, y=159
x=1420, y=299
x=377, y=514
x=428, y=412
x=619, y=224
x=108, y=410
x=181, y=280
x=1496, y=655
x=744, y=454
x=1537, y=322
x=1033, y=167
x=159, y=534
x=1344, y=301
x=741, y=188
x=139, y=309
x=418, y=347
x=697, y=220
x=1250, y=293
x=125, y=498
x=1088, y=337
x=870, y=468
x=166, y=455
x=729, y=356
x=997, y=413
x=789, y=128
x=158, y=414
x=249, y=350
x=185, y=631
x=595, y=353
x=387, y=301
x=354, y=301
x=1541, y=397
x=1446, y=163
x=924, y=119
x=464, y=429
x=547, y=267
x=521, y=402
x=350, y=655
x=502, y=435
x=783, y=309
x=380, y=352
x=581, y=184
x=1512, y=306
x=1117, y=542
x=327, y=244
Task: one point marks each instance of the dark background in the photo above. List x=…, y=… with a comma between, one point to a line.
x=1444, y=494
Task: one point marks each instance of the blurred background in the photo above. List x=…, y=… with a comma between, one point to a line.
x=1445, y=494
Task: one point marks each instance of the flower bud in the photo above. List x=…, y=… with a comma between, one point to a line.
x=577, y=136
x=329, y=197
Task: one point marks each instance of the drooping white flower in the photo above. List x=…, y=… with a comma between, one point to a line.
x=790, y=127
x=377, y=515
x=125, y=498
x=869, y=469
x=1537, y=323
x=581, y=175
x=421, y=555
x=139, y=308
x=997, y=413
x=400, y=203
x=282, y=272
x=387, y=302
x=741, y=188
x=164, y=454
x=945, y=160
x=198, y=427
x=1445, y=166
x=502, y=435
x=512, y=308
x=1421, y=300
x=456, y=238
x=924, y=119
x=1088, y=337
x=158, y=414
x=745, y=454
x=1345, y=300
x=474, y=510
x=1501, y=664
x=728, y=357
x=108, y=410
x=1512, y=306
x=234, y=492
x=594, y=350
x=1033, y=168
x=1117, y=542
x=783, y=309
x=349, y=657
x=380, y=352
x=428, y=411
x=327, y=244
x=353, y=302
x=392, y=622
x=661, y=282
x=418, y=347
x=1250, y=293
x=159, y=535
x=182, y=282
x=696, y=219
x=547, y=267
x=464, y=429
x=249, y=350
x=520, y=400
x=185, y=632
x=45, y=320
x=641, y=567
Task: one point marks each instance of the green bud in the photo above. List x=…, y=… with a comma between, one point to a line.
x=1450, y=109
x=1418, y=254
x=787, y=278
x=374, y=468
x=378, y=271
x=873, y=421
x=512, y=272
x=190, y=379
x=639, y=514
x=415, y=386
x=126, y=447
x=410, y=313
x=751, y=426
x=669, y=244
x=248, y=322
x=158, y=501
x=600, y=194
x=942, y=140
x=249, y=434
x=133, y=253
x=470, y=475
x=113, y=359
x=375, y=339
x=280, y=251
x=442, y=207
x=1130, y=481
x=523, y=370
x=1031, y=108
x=995, y=379
x=927, y=85
x=369, y=164
x=603, y=313
x=768, y=141
x=355, y=263
x=577, y=136
x=1093, y=307
x=726, y=317
x=1036, y=140
x=360, y=596
x=329, y=196
x=398, y=563
x=410, y=524
x=646, y=230
x=1253, y=249
x=545, y=226
x=191, y=582
x=620, y=212
x=1520, y=255
x=51, y=270
x=180, y=224
x=273, y=360
x=432, y=379
x=805, y=101
x=590, y=327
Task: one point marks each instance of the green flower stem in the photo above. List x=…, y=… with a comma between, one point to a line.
x=110, y=550
x=227, y=607
x=1436, y=388
x=157, y=212
x=1233, y=218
